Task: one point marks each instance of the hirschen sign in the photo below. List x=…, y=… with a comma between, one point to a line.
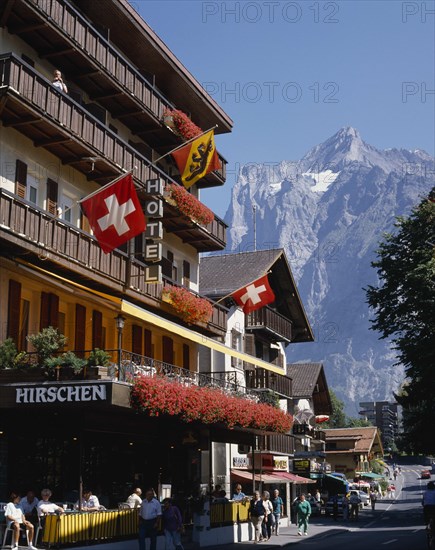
x=61, y=394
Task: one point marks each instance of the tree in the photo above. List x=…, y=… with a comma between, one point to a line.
x=339, y=418
x=404, y=308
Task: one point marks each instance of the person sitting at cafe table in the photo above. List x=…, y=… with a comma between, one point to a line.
x=238, y=493
x=90, y=502
x=46, y=507
x=15, y=519
x=28, y=505
x=134, y=500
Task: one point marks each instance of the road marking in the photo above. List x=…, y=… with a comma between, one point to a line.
x=390, y=541
x=417, y=530
x=369, y=524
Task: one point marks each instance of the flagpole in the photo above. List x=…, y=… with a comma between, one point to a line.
x=105, y=186
x=184, y=144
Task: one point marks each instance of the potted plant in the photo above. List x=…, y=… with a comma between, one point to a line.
x=97, y=365
x=180, y=124
x=191, y=308
x=65, y=366
x=187, y=204
x=8, y=353
x=47, y=343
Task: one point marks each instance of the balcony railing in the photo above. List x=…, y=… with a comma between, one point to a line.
x=104, y=72
x=319, y=435
x=302, y=430
x=278, y=443
x=55, y=121
x=29, y=229
x=271, y=321
x=262, y=379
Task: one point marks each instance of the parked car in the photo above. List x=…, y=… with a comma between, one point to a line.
x=425, y=474
x=329, y=508
x=316, y=507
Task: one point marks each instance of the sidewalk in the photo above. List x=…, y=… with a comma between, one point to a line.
x=319, y=529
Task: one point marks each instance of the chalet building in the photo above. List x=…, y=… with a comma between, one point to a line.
x=55, y=149
x=350, y=450
x=311, y=401
x=264, y=333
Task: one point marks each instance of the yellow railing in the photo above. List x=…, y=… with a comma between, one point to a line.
x=85, y=526
x=231, y=512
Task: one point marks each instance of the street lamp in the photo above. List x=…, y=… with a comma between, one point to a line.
x=120, y=322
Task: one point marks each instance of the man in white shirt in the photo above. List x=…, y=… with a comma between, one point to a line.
x=134, y=500
x=90, y=502
x=15, y=519
x=46, y=507
x=150, y=513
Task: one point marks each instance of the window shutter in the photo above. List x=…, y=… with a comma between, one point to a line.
x=234, y=360
x=167, y=350
x=52, y=188
x=97, y=329
x=80, y=330
x=44, y=317
x=53, y=319
x=136, y=346
x=148, y=343
x=14, y=303
x=20, y=178
x=186, y=273
x=186, y=357
x=249, y=342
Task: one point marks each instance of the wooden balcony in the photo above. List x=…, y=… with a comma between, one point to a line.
x=302, y=430
x=271, y=323
x=53, y=244
x=319, y=435
x=51, y=119
x=262, y=379
x=59, y=32
x=278, y=443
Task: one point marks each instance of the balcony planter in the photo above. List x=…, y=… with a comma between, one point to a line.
x=158, y=395
x=191, y=308
x=187, y=204
x=180, y=124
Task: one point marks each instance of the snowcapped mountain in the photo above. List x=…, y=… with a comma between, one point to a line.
x=329, y=211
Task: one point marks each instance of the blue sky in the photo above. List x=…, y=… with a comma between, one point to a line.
x=290, y=74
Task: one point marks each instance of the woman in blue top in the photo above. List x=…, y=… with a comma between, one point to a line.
x=278, y=509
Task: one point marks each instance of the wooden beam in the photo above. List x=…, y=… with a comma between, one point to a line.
x=86, y=75
x=6, y=12
x=51, y=141
x=22, y=122
x=27, y=28
x=107, y=96
x=56, y=53
x=128, y=113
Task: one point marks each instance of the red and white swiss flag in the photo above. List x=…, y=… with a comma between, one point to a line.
x=255, y=295
x=114, y=213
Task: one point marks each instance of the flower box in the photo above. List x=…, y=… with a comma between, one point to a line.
x=187, y=204
x=180, y=124
x=158, y=395
x=191, y=308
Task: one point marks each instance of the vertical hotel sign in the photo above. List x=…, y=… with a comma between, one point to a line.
x=154, y=231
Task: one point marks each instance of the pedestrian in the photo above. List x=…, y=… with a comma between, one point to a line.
x=58, y=81
x=304, y=511
x=278, y=509
x=345, y=505
x=135, y=500
x=15, y=520
x=150, y=512
x=429, y=502
x=373, y=498
x=257, y=515
x=393, y=491
x=269, y=518
x=317, y=496
x=355, y=502
x=172, y=524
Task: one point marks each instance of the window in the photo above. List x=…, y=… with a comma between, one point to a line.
x=186, y=273
x=24, y=325
x=236, y=343
x=52, y=199
x=66, y=205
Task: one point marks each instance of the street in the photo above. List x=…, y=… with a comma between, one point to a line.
x=394, y=525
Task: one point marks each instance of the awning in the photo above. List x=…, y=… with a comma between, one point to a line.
x=370, y=475
x=145, y=315
x=270, y=477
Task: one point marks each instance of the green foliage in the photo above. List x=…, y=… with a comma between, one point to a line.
x=383, y=483
x=67, y=359
x=47, y=343
x=99, y=358
x=376, y=468
x=8, y=354
x=269, y=397
x=339, y=418
x=404, y=305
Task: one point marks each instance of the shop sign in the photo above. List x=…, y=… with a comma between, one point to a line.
x=280, y=463
x=61, y=394
x=240, y=462
x=301, y=466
